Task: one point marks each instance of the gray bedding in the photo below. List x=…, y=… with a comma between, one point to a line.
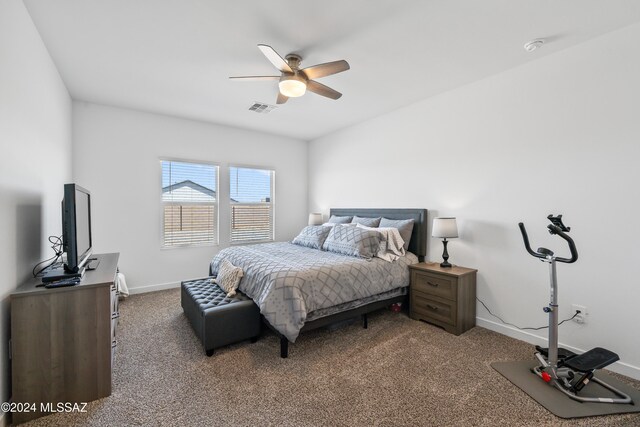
x=290, y=283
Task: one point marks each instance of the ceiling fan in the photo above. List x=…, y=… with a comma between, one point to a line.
x=293, y=81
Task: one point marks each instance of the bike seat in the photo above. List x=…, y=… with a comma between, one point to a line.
x=593, y=359
x=545, y=251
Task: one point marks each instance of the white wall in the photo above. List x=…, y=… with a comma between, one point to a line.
x=558, y=135
x=116, y=157
x=35, y=138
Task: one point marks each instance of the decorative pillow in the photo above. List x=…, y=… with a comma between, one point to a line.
x=353, y=241
x=404, y=226
x=228, y=277
x=391, y=243
x=369, y=222
x=340, y=219
x=312, y=236
x=331, y=224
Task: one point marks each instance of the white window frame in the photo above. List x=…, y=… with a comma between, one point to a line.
x=271, y=203
x=216, y=205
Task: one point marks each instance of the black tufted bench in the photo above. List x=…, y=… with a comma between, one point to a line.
x=216, y=319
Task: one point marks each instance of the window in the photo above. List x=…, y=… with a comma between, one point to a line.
x=251, y=198
x=189, y=203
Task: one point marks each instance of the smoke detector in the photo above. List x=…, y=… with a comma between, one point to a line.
x=532, y=45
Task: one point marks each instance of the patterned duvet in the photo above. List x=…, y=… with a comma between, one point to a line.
x=290, y=282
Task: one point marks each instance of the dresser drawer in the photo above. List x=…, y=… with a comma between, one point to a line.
x=434, y=284
x=427, y=307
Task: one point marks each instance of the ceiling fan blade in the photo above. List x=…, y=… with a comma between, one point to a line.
x=326, y=69
x=323, y=90
x=274, y=58
x=281, y=99
x=255, y=78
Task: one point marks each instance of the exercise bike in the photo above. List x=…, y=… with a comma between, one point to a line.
x=565, y=370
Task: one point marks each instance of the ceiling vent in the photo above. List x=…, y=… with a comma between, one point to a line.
x=259, y=107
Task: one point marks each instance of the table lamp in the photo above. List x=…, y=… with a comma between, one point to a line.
x=315, y=219
x=447, y=229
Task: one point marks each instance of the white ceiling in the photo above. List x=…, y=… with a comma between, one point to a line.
x=174, y=56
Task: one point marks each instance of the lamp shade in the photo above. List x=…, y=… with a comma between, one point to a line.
x=444, y=227
x=315, y=218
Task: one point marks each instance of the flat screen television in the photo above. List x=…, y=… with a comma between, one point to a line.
x=76, y=227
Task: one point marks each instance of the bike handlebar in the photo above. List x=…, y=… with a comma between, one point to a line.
x=525, y=237
x=553, y=229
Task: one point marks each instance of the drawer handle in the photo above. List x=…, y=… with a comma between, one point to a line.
x=432, y=307
x=114, y=343
x=435, y=285
x=115, y=315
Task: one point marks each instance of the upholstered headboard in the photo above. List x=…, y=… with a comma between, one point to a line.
x=419, y=236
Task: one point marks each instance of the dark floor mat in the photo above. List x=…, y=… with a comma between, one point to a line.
x=519, y=373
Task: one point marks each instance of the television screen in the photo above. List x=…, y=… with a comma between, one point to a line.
x=76, y=226
x=83, y=229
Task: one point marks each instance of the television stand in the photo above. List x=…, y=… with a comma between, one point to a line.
x=63, y=341
x=59, y=274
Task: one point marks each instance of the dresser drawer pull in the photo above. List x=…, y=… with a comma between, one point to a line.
x=114, y=343
x=115, y=315
x=435, y=285
x=432, y=307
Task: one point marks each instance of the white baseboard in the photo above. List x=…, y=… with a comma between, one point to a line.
x=619, y=367
x=153, y=288
x=158, y=287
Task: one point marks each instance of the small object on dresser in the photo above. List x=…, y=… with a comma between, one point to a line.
x=62, y=283
x=445, y=228
x=93, y=263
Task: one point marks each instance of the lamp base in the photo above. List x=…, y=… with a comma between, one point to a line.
x=445, y=255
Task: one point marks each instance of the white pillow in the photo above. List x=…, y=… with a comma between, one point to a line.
x=344, y=224
x=391, y=244
x=228, y=277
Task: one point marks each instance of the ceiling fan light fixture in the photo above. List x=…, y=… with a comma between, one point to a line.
x=292, y=86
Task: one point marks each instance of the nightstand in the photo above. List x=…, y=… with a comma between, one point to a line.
x=445, y=297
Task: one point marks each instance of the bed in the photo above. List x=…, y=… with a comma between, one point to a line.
x=299, y=288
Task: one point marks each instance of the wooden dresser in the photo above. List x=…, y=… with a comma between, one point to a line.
x=63, y=340
x=443, y=296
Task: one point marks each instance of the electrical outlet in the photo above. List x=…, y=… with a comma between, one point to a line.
x=582, y=317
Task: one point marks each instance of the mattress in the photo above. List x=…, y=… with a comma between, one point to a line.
x=292, y=284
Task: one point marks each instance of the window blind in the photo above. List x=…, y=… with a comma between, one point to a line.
x=252, y=206
x=189, y=203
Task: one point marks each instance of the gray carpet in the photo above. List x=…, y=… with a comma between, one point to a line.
x=397, y=372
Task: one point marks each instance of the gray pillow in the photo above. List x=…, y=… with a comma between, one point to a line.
x=340, y=219
x=312, y=236
x=369, y=222
x=404, y=226
x=353, y=241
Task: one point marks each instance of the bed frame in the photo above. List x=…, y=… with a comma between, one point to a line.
x=417, y=245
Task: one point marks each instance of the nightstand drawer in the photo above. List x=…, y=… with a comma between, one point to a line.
x=434, y=308
x=436, y=285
